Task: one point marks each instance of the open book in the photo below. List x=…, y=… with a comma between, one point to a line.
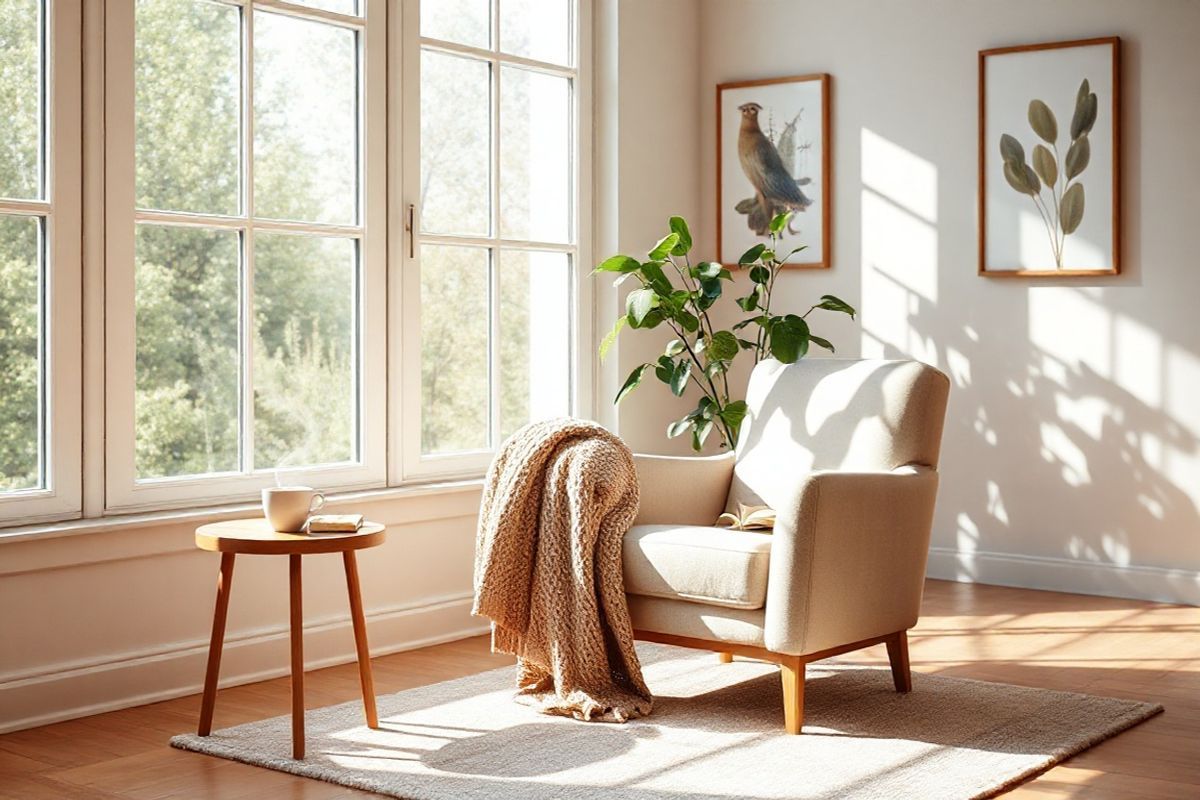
x=749, y=518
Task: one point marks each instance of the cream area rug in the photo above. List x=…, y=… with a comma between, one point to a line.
x=716, y=732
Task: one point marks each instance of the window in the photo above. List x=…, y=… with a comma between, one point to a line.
x=491, y=194
x=39, y=260
x=246, y=317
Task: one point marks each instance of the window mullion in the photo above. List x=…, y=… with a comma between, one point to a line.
x=246, y=320
x=494, y=382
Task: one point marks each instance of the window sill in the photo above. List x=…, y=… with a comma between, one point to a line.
x=199, y=516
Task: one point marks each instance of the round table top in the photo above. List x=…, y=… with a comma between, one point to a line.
x=256, y=537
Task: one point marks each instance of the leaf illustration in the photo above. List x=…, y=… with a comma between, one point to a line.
x=1046, y=166
x=1015, y=175
x=1071, y=208
x=1078, y=156
x=1042, y=120
x=1084, y=118
x=1085, y=89
x=1011, y=150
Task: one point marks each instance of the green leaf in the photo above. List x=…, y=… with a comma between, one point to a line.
x=724, y=346
x=705, y=409
x=760, y=275
x=1042, y=120
x=679, y=379
x=638, y=305
x=621, y=264
x=1078, y=156
x=760, y=320
x=700, y=432
x=674, y=347
x=679, y=427
x=1011, y=150
x=1071, y=208
x=832, y=303
x=632, y=382
x=665, y=369
x=611, y=337
x=1045, y=165
x=664, y=247
x=817, y=340
x=767, y=255
x=750, y=301
x=780, y=222
x=734, y=413
x=656, y=277
x=1086, y=108
x=747, y=344
x=688, y=321
x=714, y=368
x=679, y=227
x=789, y=339
x=708, y=269
x=751, y=255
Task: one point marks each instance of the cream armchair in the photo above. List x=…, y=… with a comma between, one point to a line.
x=846, y=453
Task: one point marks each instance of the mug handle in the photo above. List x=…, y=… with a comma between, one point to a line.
x=317, y=502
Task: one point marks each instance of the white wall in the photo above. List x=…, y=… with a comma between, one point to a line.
x=1071, y=457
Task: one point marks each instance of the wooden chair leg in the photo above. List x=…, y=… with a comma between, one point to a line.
x=360, y=639
x=215, y=644
x=897, y=648
x=297, y=624
x=791, y=671
x=725, y=658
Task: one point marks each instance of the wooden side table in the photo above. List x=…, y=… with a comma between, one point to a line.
x=255, y=537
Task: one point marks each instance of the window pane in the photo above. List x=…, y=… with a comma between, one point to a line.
x=338, y=6
x=187, y=62
x=187, y=351
x=305, y=120
x=535, y=324
x=535, y=156
x=20, y=349
x=538, y=29
x=305, y=313
x=454, y=349
x=462, y=21
x=20, y=99
x=455, y=145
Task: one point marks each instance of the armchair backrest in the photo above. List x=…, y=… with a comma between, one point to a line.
x=867, y=415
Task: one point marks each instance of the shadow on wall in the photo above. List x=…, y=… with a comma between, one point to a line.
x=1072, y=428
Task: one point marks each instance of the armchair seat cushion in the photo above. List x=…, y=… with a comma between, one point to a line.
x=713, y=566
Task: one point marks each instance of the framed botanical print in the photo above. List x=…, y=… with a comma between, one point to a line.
x=1050, y=159
x=773, y=155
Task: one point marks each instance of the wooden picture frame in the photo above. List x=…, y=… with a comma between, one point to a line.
x=1101, y=254
x=736, y=228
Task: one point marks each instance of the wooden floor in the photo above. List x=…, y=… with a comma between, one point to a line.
x=1121, y=648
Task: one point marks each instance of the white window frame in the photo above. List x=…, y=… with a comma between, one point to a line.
x=123, y=492
x=61, y=314
x=407, y=463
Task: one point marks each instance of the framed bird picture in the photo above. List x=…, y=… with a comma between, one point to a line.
x=773, y=155
x=1050, y=159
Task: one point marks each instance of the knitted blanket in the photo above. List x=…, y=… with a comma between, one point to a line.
x=558, y=500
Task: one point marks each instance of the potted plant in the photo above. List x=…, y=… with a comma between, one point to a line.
x=700, y=353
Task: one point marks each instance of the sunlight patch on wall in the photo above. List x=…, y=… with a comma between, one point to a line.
x=1057, y=448
x=906, y=179
x=1071, y=327
x=1138, y=360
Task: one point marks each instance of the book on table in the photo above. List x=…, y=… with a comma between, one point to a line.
x=335, y=523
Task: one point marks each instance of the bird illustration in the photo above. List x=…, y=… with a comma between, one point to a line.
x=775, y=190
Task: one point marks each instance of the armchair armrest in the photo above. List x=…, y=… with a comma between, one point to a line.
x=682, y=490
x=848, y=558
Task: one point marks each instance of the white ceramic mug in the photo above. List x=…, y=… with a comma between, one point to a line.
x=287, y=507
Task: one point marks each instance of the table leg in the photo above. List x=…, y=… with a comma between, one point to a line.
x=224, y=584
x=360, y=639
x=297, y=623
